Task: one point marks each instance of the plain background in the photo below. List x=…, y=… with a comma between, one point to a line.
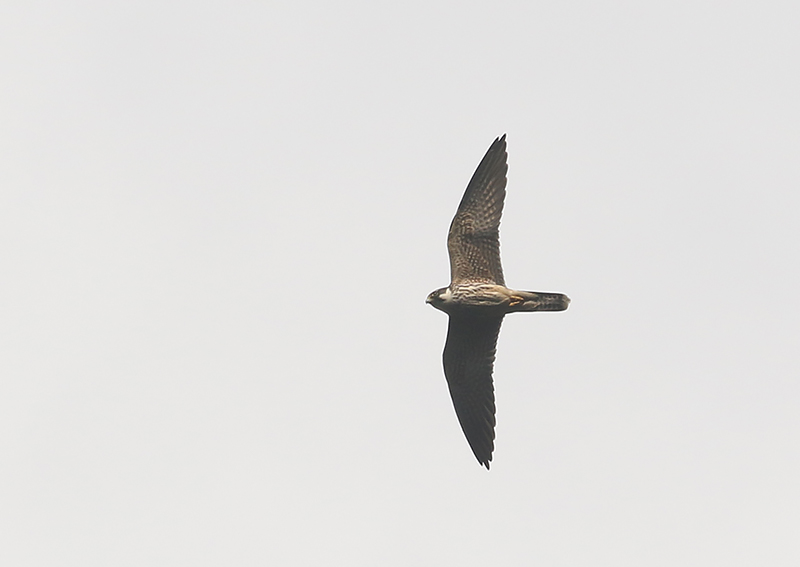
x=220, y=221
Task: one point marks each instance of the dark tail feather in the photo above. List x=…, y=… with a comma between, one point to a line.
x=539, y=301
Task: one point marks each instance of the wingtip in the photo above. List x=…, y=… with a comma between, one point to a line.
x=498, y=148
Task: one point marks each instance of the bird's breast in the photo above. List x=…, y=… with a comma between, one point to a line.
x=478, y=299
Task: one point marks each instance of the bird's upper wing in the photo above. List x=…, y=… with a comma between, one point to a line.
x=474, y=238
x=468, y=362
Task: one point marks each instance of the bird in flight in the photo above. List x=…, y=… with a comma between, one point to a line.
x=477, y=300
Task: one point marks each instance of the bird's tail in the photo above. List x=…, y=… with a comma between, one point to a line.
x=538, y=301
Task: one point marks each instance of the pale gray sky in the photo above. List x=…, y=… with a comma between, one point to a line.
x=219, y=225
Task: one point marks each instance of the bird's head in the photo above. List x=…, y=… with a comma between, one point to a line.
x=439, y=297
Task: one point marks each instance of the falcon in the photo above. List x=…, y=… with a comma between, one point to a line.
x=477, y=299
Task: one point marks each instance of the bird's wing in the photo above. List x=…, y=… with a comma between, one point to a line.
x=468, y=362
x=474, y=238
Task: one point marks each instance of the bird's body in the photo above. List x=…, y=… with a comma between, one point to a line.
x=487, y=299
x=477, y=300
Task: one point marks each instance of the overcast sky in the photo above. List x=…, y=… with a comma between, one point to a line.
x=220, y=221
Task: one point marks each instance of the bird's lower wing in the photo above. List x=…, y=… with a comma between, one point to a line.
x=468, y=362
